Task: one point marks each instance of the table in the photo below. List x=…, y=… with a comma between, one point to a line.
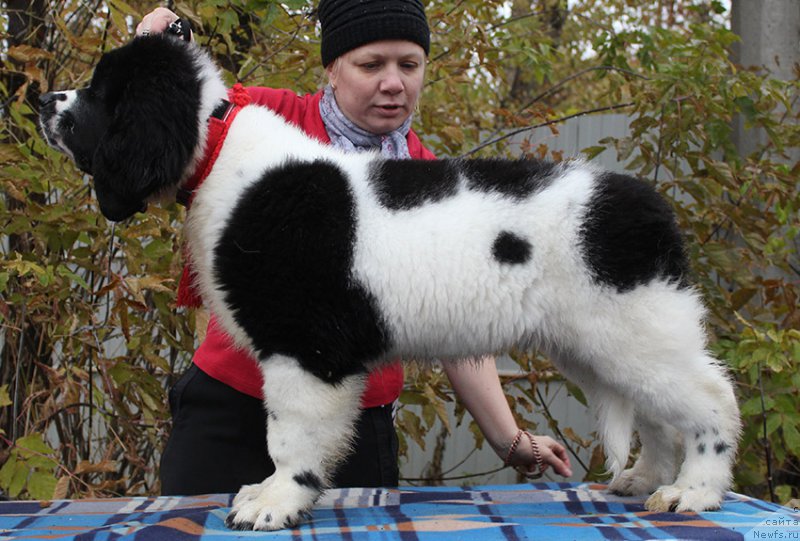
x=540, y=511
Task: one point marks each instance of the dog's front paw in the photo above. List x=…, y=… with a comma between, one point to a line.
x=257, y=519
x=271, y=505
x=684, y=499
x=250, y=492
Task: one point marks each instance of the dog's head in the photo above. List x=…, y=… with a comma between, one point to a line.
x=135, y=128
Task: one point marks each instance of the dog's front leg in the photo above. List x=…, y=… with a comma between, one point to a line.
x=309, y=431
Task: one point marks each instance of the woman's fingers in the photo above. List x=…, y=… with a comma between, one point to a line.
x=156, y=21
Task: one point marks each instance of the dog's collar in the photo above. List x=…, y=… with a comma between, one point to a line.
x=184, y=196
x=218, y=123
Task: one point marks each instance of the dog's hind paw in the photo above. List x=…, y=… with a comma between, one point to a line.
x=634, y=483
x=683, y=499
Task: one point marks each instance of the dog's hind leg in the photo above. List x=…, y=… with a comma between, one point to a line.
x=657, y=462
x=309, y=431
x=615, y=416
x=708, y=420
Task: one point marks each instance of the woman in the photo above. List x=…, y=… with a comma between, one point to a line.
x=374, y=53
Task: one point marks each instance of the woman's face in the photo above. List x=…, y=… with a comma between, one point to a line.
x=377, y=85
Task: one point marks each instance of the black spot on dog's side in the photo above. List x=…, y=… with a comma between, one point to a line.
x=512, y=249
x=309, y=479
x=629, y=236
x=284, y=262
x=517, y=179
x=701, y=449
x=721, y=447
x=406, y=184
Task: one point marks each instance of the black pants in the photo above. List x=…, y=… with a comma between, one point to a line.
x=218, y=442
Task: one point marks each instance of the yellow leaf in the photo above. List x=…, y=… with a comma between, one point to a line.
x=106, y=466
x=62, y=488
x=5, y=399
x=26, y=53
x=10, y=154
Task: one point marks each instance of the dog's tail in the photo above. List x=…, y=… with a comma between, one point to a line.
x=615, y=417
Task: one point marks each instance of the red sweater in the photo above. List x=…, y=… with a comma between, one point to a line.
x=217, y=356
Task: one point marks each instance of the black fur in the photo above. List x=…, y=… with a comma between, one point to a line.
x=300, y=217
x=309, y=479
x=147, y=92
x=517, y=179
x=630, y=236
x=403, y=185
x=510, y=248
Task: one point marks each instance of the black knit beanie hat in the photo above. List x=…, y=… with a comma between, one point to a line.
x=348, y=24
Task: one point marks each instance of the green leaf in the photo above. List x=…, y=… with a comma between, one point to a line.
x=7, y=471
x=753, y=405
x=412, y=427
x=774, y=420
x=32, y=443
x=746, y=107
x=593, y=151
x=5, y=398
x=19, y=475
x=577, y=392
x=412, y=398
x=41, y=485
x=66, y=273
x=792, y=438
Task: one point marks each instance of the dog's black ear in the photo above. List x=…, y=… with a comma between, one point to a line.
x=152, y=89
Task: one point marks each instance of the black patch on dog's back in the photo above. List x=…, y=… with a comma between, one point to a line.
x=517, y=179
x=511, y=248
x=405, y=184
x=630, y=237
x=284, y=262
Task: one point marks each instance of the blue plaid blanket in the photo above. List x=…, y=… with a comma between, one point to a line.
x=540, y=511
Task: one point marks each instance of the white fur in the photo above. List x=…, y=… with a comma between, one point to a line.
x=50, y=130
x=302, y=436
x=213, y=91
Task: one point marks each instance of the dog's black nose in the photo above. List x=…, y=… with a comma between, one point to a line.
x=50, y=97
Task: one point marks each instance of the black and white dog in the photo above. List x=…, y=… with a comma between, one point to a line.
x=324, y=263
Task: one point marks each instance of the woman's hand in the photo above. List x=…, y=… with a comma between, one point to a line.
x=156, y=21
x=523, y=456
x=478, y=387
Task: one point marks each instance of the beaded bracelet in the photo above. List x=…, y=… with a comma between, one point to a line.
x=537, y=455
